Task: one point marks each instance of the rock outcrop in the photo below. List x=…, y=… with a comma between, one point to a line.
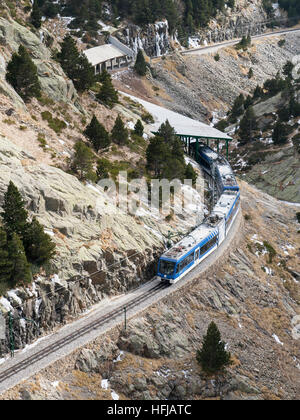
x=53, y=80
x=113, y=250
x=247, y=18
x=154, y=39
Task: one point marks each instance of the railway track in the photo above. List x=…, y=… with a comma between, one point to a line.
x=39, y=355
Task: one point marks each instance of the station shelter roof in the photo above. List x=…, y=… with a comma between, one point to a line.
x=184, y=126
x=103, y=53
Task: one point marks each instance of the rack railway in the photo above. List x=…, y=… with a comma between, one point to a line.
x=173, y=265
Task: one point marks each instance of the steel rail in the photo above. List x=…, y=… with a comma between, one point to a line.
x=78, y=333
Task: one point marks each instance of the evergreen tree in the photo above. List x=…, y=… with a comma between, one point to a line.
x=237, y=109
x=156, y=153
x=294, y=107
x=84, y=77
x=167, y=132
x=82, y=162
x=5, y=263
x=97, y=134
x=247, y=126
x=22, y=75
x=165, y=154
x=139, y=128
x=280, y=133
x=258, y=92
x=190, y=173
x=39, y=247
x=103, y=76
x=119, y=132
x=20, y=272
x=213, y=357
x=68, y=56
x=108, y=94
x=102, y=169
x=288, y=69
x=76, y=65
x=36, y=15
x=140, y=65
x=14, y=215
x=248, y=102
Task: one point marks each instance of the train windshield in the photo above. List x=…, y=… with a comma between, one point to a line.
x=166, y=267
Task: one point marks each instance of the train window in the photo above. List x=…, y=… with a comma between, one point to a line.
x=181, y=266
x=166, y=267
x=208, y=245
x=197, y=254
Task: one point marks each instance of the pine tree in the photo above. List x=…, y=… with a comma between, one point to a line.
x=102, y=169
x=108, y=94
x=247, y=126
x=280, y=133
x=119, y=132
x=103, y=76
x=97, y=134
x=82, y=162
x=258, y=92
x=84, y=76
x=36, y=15
x=14, y=215
x=237, y=109
x=5, y=263
x=22, y=75
x=288, y=69
x=140, y=65
x=76, y=65
x=167, y=132
x=139, y=128
x=68, y=56
x=20, y=272
x=39, y=247
x=213, y=357
x=190, y=173
x=156, y=154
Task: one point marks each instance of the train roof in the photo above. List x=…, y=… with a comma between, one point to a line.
x=209, y=152
x=226, y=173
x=198, y=235
x=224, y=204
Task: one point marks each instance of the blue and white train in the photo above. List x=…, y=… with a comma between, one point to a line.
x=206, y=238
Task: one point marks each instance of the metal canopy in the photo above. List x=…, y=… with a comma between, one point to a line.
x=189, y=130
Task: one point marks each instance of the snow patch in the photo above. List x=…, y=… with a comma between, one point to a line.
x=277, y=339
x=104, y=384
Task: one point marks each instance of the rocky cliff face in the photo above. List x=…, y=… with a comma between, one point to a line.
x=53, y=80
x=113, y=250
x=91, y=236
x=247, y=18
x=194, y=84
x=154, y=39
x=253, y=300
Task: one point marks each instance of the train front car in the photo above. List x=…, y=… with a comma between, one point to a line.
x=188, y=253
